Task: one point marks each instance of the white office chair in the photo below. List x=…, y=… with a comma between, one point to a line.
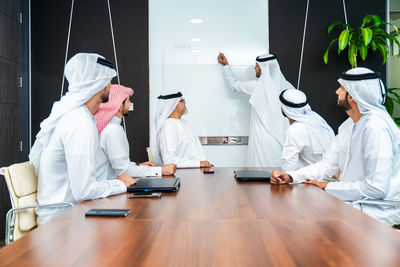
x=22, y=183
x=149, y=155
x=392, y=203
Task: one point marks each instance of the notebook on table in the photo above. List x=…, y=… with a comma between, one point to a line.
x=252, y=175
x=155, y=185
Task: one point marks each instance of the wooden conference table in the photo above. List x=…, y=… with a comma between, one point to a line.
x=213, y=220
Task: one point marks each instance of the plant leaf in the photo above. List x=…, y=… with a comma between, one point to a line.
x=373, y=45
x=327, y=50
x=381, y=32
x=333, y=25
x=394, y=26
x=382, y=49
x=391, y=42
x=389, y=105
x=398, y=98
x=367, y=35
x=391, y=93
x=397, y=30
x=397, y=121
x=380, y=40
x=366, y=20
x=363, y=51
x=351, y=54
x=397, y=43
x=343, y=40
x=377, y=20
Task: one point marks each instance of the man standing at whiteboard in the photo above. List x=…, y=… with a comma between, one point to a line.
x=267, y=125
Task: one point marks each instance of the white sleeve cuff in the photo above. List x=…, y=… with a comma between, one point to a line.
x=156, y=171
x=297, y=179
x=189, y=164
x=117, y=186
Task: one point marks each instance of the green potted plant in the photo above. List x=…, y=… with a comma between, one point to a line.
x=393, y=96
x=370, y=35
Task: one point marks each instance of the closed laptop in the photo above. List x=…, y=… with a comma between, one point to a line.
x=155, y=185
x=252, y=175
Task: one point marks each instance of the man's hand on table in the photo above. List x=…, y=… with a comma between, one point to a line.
x=278, y=177
x=320, y=184
x=168, y=169
x=205, y=164
x=147, y=163
x=127, y=179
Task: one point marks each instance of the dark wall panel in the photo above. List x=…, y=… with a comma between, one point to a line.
x=91, y=32
x=318, y=80
x=10, y=104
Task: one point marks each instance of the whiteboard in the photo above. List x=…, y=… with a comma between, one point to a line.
x=183, y=57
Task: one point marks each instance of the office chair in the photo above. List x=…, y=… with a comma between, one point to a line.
x=392, y=203
x=149, y=154
x=22, y=181
x=376, y=202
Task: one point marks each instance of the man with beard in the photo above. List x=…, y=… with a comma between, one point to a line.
x=308, y=136
x=113, y=157
x=65, y=148
x=172, y=139
x=366, y=150
x=267, y=126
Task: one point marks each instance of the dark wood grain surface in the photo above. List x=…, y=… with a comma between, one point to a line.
x=213, y=220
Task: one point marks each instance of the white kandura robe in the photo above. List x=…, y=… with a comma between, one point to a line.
x=178, y=144
x=67, y=165
x=297, y=149
x=367, y=148
x=264, y=150
x=112, y=159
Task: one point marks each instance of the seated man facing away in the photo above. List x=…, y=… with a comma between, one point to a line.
x=172, y=140
x=366, y=149
x=113, y=157
x=64, y=152
x=308, y=136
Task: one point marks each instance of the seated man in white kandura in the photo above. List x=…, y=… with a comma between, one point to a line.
x=308, y=136
x=173, y=140
x=113, y=157
x=64, y=153
x=366, y=150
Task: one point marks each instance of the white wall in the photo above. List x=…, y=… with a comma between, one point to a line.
x=237, y=28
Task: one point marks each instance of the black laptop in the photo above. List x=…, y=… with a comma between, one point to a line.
x=155, y=185
x=252, y=175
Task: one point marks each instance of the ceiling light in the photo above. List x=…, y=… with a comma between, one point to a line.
x=196, y=39
x=196, y=21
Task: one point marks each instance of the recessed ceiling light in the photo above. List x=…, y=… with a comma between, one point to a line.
x=196, y=51
x=196, y=20
x=196, y=39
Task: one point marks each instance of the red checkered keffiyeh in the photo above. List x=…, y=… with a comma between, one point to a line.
x=107, y=111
